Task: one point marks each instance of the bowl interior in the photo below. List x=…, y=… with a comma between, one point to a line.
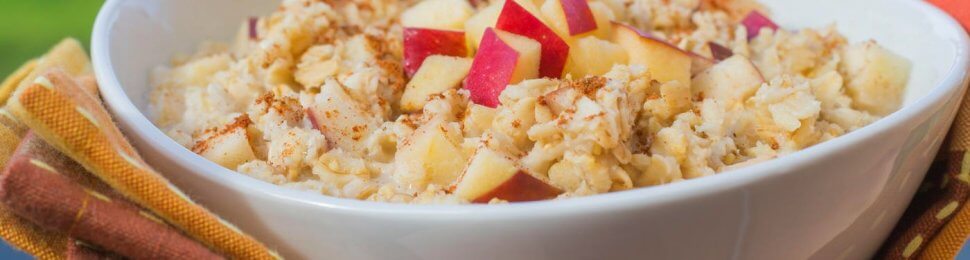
x=133, y=37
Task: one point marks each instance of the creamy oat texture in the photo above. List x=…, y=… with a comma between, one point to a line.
x=249, y=105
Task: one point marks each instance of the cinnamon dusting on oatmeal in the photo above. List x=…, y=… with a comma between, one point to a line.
x=209, y=135
x=588, y=85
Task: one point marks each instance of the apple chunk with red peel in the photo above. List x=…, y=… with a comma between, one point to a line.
x=491, y=175
x=419, y=43
x=731, y=81
x=516, y=19
x=664, y=61
x=755, y=21
x=436, y=75
x=503, y=58
x=578, y=16
x=564, y=16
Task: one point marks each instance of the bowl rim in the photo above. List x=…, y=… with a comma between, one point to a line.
x=138, y=124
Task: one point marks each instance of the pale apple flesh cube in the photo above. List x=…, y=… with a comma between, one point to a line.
x=477, y=119
x=730, y=81
x=341, y=119
x=664, y=61
x=476, y=25
x=875, y=77
x=503, y=59
x=529, y=52
x=593, y=56
x=437, y=74
x=603, y=16
x=428, y=156
x=598, y=23
x=228, y=148
x=438, y=14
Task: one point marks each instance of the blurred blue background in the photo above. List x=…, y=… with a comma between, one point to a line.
x=28, y=28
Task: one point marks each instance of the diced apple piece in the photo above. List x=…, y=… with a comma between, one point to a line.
x=439, y=73
x=429, y=156
x=593, y=56
x=755, y=21
x=664, y=61
x=719, y=52
x=491, y=175
x=504, y=58
x=476, y=25
x=477, y=119
x=420, y=43
x=555, y=15
x=516, y=19
x=438, y=14
x=876, y=77
x=341, y=119
x=578, y=16
x=730, y=81
x=228, y=146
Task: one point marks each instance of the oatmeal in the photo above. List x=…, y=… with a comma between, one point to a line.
x=451, y=101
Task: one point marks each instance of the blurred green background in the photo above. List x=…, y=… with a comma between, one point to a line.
x=29, y=27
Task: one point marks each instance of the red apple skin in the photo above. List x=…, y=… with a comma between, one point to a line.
x=719, y=52
x=491, y=69
x=419, y=43
x=515, y=19
x=578, y=16
x=521, y=187
x=755, y=21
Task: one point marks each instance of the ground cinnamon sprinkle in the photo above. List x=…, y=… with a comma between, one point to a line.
x=211, y=134
x=587, y=85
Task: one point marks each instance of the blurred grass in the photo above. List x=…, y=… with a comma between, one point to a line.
x=29, y=27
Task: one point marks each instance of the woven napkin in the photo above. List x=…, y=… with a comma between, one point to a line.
x=91, y=190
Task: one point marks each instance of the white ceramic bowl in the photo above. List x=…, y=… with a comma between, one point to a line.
x=835, y=199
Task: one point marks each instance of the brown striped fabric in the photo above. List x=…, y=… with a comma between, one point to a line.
x=75, y=123
x=98, y=145
x=53, y=192
x=939, y=199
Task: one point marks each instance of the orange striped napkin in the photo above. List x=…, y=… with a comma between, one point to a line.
x=47, y=98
